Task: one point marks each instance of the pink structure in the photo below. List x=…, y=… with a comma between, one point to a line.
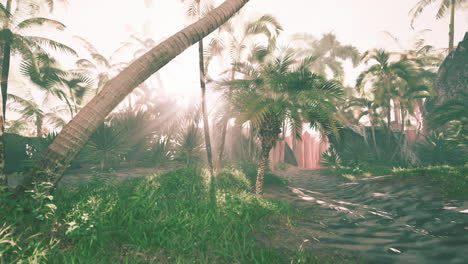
x=307, y=151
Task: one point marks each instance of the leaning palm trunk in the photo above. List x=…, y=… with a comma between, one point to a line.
x=53, y=163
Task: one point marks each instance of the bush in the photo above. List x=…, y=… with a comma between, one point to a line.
x=438, y=149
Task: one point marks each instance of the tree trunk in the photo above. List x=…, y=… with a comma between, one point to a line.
x=222, y=143
x=5, y=74
x=3, y=94
x=38, y=127
x=267, y=144
x=3, y=178
x=397, y=111
x=452, y=26
x=53, y=163
x=206, y=124
x=374, y=141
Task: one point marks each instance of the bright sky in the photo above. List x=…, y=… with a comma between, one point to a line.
x=108, y=23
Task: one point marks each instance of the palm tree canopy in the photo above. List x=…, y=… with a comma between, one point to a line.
x=283, y=90
x=329, y=53
x=442, y=11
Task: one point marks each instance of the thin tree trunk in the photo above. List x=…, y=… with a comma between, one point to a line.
x=397, y=111
x=374, y=141
x=223, y=142
x=5, y=64
x=452, y=26
x=3, y=178
x=5, y=74
x=206, y=125
x=53, y=163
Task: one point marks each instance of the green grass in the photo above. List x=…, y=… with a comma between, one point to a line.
x=452, y=181
x=163, y=219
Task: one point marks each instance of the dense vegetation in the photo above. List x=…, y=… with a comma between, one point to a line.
x=402, y=118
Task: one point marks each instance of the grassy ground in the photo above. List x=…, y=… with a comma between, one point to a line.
x=168, y=218
x=451, y=181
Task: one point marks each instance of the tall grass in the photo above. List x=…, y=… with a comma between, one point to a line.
x=167, y=218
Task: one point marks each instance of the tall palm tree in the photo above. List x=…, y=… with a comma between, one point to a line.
x=13, y=40
x=329, y=53
x=54, y=161
x=279, y=93
x=445, y=6
x=195, y=11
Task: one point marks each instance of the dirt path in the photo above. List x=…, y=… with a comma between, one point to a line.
x=382, y=221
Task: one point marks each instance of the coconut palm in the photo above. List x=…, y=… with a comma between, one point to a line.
x=195, y=11
x=445, y=6
x=99, y=68
x=13, y=40
x=282, y=92
x=72, y=138
x=30, y=110
x=46, y=73
x=329, y=53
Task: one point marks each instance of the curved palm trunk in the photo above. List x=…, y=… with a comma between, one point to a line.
x=52, y=164
x=267, y=144
x=452, y=26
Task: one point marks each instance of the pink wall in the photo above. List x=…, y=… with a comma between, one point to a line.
x=307, y=151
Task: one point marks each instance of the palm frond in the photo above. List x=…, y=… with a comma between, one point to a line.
x=35, y=41
x=40, y=21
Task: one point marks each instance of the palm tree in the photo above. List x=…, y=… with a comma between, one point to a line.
x=13, y=40
x=388, y=78
x=54, y=161
x=45, y=72
x=370, y=110
x=243, y=44
x=195, y=12
x=329, y=53
x=444, y=7
x=279, y=93
x=30, y=110
x=99, y=68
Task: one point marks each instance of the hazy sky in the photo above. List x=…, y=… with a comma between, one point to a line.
x=108, y=23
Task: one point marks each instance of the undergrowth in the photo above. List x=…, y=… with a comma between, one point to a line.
x=161, y=219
